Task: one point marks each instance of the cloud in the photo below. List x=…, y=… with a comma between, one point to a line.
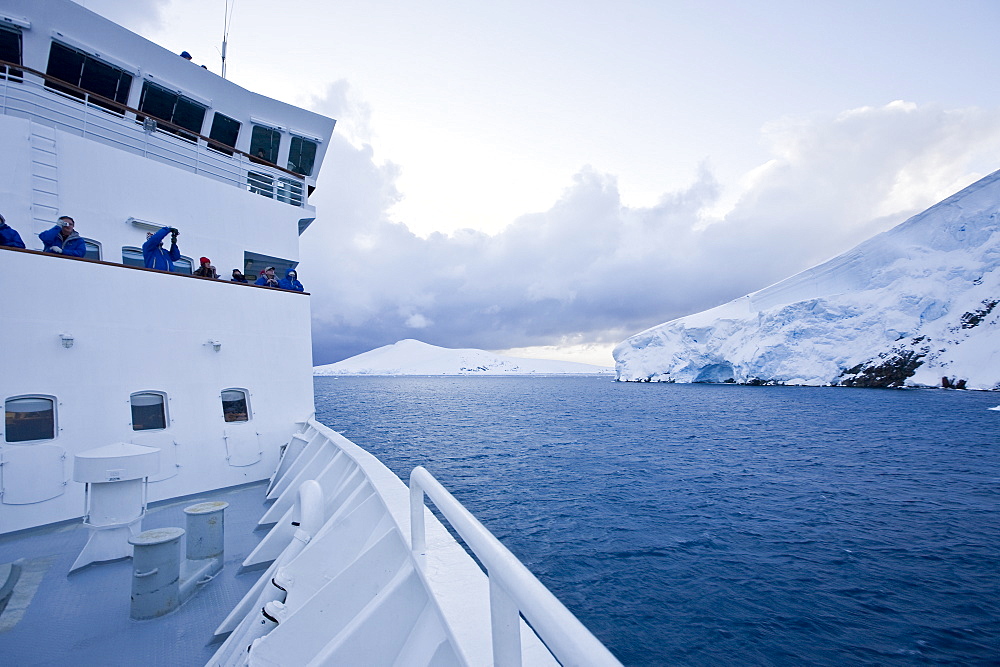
x=136, y=15
x=591, y=270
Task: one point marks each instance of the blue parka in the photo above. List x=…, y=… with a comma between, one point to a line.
x=9, y=236
x=290, y=282
x=155, y=257
x=74, y=246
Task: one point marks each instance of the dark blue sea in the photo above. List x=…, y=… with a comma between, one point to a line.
x=720, y=524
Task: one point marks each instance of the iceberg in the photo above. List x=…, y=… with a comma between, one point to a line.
x=913, y=306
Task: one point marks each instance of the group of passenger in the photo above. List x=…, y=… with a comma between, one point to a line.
x=63, y=239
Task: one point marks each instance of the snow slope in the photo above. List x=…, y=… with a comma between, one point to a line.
x=412, y=357
x=907, y=307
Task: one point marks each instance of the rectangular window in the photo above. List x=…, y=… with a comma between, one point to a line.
x=183, y=265
x=29, y=418
x=148, y=411
x=260, y=184
x=225, y=130
x=264, y=143
x=301, y=156
x=234, y=405
x=10, y=51
x=167, y=105
x=132, y=257
x=93, y=249
x=90, y=74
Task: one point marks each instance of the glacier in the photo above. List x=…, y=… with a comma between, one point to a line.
x=915, y=306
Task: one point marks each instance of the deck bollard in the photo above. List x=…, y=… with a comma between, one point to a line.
x=206, y=532
x=156, y=570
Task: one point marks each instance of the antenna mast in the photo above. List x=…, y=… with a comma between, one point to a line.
x=225, y=34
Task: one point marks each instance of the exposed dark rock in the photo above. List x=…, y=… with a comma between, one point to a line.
x=970, y=320
x=887, y=370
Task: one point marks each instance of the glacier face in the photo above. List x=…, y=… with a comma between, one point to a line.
x=907, y=307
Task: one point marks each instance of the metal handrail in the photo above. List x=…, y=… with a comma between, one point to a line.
x=514, y=590
x=111, y=122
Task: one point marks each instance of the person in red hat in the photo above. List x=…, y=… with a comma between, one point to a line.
x=206, y=270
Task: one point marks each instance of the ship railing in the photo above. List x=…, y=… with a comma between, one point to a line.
x=514, y=590
x=28, y=93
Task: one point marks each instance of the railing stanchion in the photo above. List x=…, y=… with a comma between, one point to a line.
x=505, y=625
x=418, y=537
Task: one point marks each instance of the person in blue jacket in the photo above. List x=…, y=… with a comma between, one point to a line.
x=63, y=239
x=153, y=254
x=290, y=281
x=9, y=236
x=267, y=278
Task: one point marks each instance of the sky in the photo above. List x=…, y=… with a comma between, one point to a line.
x=549, y=178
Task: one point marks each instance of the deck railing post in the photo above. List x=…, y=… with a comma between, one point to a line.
x=418, y=537
x=505, y=624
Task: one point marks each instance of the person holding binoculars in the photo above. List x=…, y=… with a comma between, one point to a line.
x=153, y=253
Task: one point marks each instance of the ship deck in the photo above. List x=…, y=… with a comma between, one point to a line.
x=57, y=618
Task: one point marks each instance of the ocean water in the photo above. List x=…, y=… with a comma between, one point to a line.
x=720, y=524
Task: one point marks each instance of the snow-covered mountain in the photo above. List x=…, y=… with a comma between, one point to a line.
x=913, y=306
x=412, y=357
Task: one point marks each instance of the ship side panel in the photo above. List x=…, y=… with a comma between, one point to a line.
x=138, y=331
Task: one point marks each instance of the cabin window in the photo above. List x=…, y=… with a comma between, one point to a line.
x=264, y=143
x=93, y=249
x=167, y=105
x=149, y=411
x=132, y=257
x=289, y=191
x=301, y=156
x=10, y=51
x=184, y=265
x=90, y=74
x=260, y=184
x=29, y=418
x=225, y=130
x=235, y=407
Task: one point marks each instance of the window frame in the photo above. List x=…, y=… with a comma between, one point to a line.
x=55, y=418
x=120, y=96
x=274, y=147
x=93, y=248
x=212, y=133
x=14, y=74
x=186, y=133
x=246, y=404
x=291, y=153
x=164, y=403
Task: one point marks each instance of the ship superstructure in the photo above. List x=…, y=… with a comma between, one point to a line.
x=126, y=137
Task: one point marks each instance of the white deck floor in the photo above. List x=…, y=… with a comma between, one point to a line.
x=56, y=618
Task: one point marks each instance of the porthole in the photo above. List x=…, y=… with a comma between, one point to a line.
x=149, y=410
x=29, y=418
x=235, y=405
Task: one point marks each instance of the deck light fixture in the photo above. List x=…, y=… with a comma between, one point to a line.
x=67, y=340
x=216, y=344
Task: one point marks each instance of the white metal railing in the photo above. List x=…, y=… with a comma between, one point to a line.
x=514, y=590
x=25, y=95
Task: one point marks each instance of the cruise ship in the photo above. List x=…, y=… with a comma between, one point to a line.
x=148, y=410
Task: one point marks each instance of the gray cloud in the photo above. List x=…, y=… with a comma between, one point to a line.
x=137, y=15
x=593, y=270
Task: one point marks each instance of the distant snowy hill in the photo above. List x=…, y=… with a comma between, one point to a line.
x=411, y=357
x=910, y=307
